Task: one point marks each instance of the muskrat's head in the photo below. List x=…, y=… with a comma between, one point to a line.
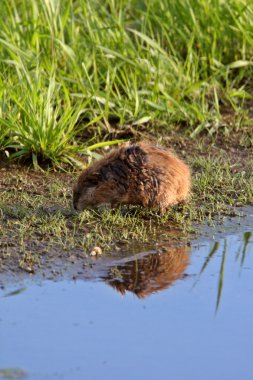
x=94, y=187
x=85, y=191
x=106, y=181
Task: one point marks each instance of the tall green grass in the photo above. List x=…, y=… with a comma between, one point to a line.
x=68, y=65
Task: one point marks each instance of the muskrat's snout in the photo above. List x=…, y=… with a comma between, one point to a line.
x=75, y=199
x=74, y=204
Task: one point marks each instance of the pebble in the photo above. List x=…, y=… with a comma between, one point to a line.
x=96, y=251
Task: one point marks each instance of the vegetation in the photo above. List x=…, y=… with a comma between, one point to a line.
x=73, y=71
x=36, y=217
x=75, y=74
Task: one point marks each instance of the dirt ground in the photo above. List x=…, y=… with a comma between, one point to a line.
x=41, y=234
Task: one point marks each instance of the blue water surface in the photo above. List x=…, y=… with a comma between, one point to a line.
x=199, y=327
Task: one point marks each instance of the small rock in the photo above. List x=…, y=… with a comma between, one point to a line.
x=95, y=251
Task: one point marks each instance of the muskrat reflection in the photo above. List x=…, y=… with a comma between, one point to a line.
x=150, y=273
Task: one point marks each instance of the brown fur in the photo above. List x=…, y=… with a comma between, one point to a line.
x=151, y=273
x=136, y=174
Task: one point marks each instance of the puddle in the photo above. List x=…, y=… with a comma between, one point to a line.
x=184, y=312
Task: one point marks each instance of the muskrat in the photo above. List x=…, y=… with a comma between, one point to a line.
x=134, y=174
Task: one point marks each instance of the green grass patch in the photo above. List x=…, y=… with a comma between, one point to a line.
x=71, y=66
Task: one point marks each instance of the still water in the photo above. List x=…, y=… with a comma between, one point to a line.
x=148, y=316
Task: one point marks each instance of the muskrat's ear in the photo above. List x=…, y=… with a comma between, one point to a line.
x=91, y=183
x=92, y=180
x=135, y=154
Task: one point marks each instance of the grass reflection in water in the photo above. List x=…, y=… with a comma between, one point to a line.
x=240, y=257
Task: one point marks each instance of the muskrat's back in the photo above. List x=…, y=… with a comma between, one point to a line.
x=138, y=174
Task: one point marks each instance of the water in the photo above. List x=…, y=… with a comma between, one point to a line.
x=143, y=318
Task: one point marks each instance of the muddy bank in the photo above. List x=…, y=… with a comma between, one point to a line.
x=41, y=236
x=139, y=268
